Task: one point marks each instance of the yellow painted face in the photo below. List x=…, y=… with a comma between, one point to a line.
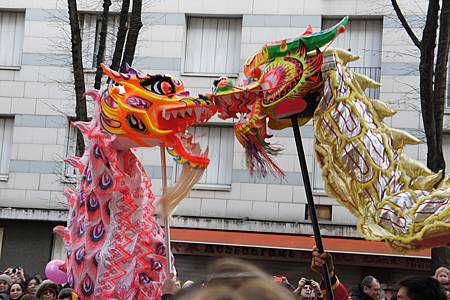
x=146, y=110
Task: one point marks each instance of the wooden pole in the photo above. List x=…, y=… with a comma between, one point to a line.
x=166, y=218
x=311, y=206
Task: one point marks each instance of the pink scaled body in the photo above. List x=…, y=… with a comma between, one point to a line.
x=115, y=249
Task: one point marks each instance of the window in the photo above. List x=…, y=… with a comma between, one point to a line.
x=317, y=181
x=69, y=170
x=213, y=45
x=6, y=129
x=363, y=38
x=220, y=141
x=324, y=212
x=90, y=26
x=11, y=38
x=445, y=150
x=448, y=83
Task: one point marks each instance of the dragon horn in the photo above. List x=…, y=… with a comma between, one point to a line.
x=382, y=109
x=320, y=39
x=344, y=55
x=114, y=75
x=366, y=82
x=401, y=138
x=308, y=30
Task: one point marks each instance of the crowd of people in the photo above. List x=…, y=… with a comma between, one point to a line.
x=231, y=279
x=16, y=285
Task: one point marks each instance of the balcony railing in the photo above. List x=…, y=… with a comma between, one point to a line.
x=372, y=72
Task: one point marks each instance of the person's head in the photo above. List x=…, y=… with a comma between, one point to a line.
x=307, y=291
x=65, y=294
x=15, y=291
x=16, y=274
x=48, y=290
x=389, y=291
x=233, y=272
x=442, y=275
x=5, y=283
x=33, y=284
x=419, y=288
x=263, y=289
x=255, y=288
x=371, y=287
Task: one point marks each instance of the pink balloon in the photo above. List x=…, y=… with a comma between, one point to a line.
x=54, y=273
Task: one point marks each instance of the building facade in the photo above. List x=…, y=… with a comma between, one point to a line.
x=229, y=212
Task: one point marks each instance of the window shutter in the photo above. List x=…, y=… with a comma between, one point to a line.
x=11, y=38
x=6, y=128
x=363, y=38
x=220, y=141
x=213, y=45
x=88, y=27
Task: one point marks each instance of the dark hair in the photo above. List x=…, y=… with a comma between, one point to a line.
x=420, y=287
x=36, y=278
x=367, y=281
x=64, y=293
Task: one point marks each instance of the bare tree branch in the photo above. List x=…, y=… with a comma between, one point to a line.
x=121, y=35
x=133, y=32
x=405, y=24
x=78, y=73
x=102, y=44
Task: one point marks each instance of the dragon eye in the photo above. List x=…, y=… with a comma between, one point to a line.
x=159, y=84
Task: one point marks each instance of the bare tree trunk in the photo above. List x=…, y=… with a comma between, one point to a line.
x=121, y=35
x=440, y=256
x=133, y=32
x=432, y=91
x=426, y=68
x=102, y=44
x=440, y=77
x=78, y=72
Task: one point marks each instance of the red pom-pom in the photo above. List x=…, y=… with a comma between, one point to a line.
x=341, y=29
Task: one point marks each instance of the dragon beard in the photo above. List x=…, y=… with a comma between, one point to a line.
x=253, y=137
x=172, y=195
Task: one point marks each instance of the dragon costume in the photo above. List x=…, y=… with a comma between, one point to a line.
x=115, y=248
x=395, y=198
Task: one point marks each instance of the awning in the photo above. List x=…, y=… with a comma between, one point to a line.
x=288, y=241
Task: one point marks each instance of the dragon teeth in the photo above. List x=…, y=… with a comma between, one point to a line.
x=182, y=113
x=198, y=113
x=166, y=115
x=189, y=111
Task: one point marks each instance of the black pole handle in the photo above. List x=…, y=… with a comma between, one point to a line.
x=310, y=200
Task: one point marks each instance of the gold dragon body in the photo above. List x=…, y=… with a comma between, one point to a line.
x=395, y=198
